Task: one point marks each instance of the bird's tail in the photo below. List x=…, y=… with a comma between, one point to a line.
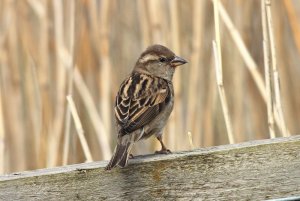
x=120, y=156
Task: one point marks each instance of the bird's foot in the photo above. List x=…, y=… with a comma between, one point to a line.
x=131, y=156
x=163, y=151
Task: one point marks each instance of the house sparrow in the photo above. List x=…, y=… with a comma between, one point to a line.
x=145, y=101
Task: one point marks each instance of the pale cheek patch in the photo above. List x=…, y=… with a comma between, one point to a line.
x=148, y=57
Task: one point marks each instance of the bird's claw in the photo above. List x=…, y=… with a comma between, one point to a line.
x=163, y=151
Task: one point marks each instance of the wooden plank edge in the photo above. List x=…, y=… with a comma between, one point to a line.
x=148, y=158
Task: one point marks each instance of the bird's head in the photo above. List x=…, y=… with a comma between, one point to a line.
x=159, y=61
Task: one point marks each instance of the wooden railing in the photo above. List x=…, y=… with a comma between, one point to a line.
x=257, y=170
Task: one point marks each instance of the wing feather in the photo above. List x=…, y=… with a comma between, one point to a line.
x=139, y=101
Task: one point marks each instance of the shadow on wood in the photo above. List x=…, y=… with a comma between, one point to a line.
x=258, y=170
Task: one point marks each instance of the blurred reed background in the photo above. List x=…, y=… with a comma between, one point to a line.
x=50, y=49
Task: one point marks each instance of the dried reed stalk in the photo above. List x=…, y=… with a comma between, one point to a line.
x=56, y=130
x=278, y=104
x=3, y=152
x=195, y=77
x=219, y=72
x=268, y=75
x=79, y=129
x=223, y=95
x=190, y=136
x=70, y=83
x=105, y=72
x=2, y=132
x=218, y=56
x=36, y=108
x=2, y=125
x=67, y=135
x=17, y=132
x=41, y=59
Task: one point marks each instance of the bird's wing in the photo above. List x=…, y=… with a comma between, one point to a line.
x=140, y=99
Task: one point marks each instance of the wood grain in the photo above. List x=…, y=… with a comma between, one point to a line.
x=257, y=170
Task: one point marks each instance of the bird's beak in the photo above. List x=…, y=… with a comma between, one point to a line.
x=177, y=61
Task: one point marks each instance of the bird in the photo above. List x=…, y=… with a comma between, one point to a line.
x=144, y=102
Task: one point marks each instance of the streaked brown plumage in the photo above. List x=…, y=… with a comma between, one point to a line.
x=145, y=101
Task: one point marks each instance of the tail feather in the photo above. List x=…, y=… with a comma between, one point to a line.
x=119, y=157
x=123, y=162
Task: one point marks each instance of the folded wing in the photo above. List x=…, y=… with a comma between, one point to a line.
x=140, y=99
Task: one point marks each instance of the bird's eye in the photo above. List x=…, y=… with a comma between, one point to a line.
x=162, y=59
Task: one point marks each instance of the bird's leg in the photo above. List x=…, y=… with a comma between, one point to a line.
x=164, y=149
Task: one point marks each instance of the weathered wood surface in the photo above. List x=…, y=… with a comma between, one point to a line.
x=258, y=170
